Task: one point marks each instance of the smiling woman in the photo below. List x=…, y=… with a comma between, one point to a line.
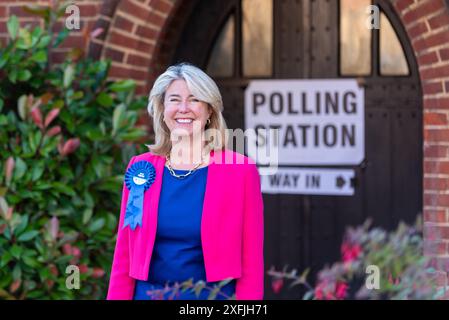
x=198, y=214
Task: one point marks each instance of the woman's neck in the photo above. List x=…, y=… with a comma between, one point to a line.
x=187, y=153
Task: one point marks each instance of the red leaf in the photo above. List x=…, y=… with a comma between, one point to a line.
x=36, y=115
x=51, y=116
x=53, y=131
x=70, y=146
x=9, y=167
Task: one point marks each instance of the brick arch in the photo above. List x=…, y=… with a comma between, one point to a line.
x=134, y=33
x=427, y=26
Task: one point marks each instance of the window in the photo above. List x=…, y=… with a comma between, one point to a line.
x=221, y=62
x=257, y=37
x=392, y=58
x=355, y=38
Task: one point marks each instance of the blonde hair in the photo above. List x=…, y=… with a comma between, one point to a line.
x=203, y=88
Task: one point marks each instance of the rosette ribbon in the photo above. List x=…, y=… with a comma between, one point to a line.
x=138, y=178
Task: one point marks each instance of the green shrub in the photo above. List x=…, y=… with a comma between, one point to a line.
x=66, y=135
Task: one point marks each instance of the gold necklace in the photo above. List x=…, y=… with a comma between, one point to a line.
x=181, y=176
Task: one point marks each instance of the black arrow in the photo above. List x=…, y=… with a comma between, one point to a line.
x=340, y=182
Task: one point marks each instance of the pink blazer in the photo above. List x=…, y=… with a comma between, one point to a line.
x=232, y=228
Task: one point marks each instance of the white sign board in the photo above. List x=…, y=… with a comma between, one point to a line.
x=308, y=181
x=320, y=122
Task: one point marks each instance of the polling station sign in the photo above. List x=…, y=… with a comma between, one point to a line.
x=317, y=122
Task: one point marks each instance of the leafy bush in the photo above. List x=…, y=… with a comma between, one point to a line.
x=66, y=134
x=404, y=272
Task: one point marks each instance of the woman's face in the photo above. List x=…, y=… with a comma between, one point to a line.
x=182, y=110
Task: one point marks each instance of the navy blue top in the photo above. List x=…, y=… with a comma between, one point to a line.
x=177, y=253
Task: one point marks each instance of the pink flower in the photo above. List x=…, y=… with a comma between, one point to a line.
x=276, y=285
x=350, y=252
x=341, y=290
x=97, y=273
x=51, y=116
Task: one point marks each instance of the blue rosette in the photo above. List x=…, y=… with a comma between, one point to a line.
x=138, y=178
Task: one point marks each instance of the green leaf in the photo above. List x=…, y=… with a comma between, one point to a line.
x=16, y=251
x=37, y=172
x=19, y=169
x=12, y=76
x=62, y=35
x=39, y=56
x=117, y=117
x=123, y=85
x=69, y=74
x=22, y=225
x=28, y=235
x=96, y=225
x=1, y=103
x=63, y=188
x=104, y=99
x=87, y=214
x=24, y=75
x=13, y=26
x=6, y=257
x=21, y=106
x=44, y=42
x=17, y=272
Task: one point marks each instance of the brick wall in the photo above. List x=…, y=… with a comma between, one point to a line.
x=427, y=24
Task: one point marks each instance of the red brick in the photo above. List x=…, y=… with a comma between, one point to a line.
x=123, y=24
x=129, y=7
x=73, y=42
x=436, y=167
x=435, y=247
x=428, y=58
x=138, y=60
x=122, y=40
x=422, y=10
x=403, y=4
x=58, y=57
x=417, y=30
x=88, y=10
x=436, y=39
x=433, y=88
x=433, y=118
x=436, y=135
x=160, y=6
x=435, y=216
x=436, y=152
x=20, y=12
x=114, y=55
x=439, y=21
x=439, y=184
x=2, y=11
x=436, y=103
x=147, y=33
x=120, y=72
x=444, y=54
x=436, y=232
x=436, y=72
x=447, y=86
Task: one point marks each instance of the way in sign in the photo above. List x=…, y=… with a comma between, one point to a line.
x=291, y=180
x=320, y=181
